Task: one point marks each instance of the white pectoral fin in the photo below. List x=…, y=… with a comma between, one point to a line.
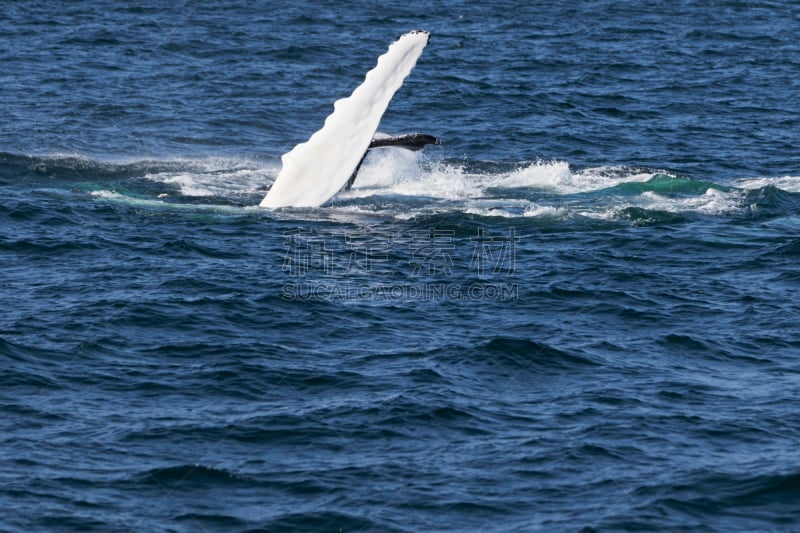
x=314, y=171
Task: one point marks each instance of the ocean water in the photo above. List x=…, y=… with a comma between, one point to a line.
x=580, y=312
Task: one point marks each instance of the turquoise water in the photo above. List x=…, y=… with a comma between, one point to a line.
x=579, y=312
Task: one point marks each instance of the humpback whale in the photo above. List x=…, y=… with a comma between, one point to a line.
x=316, y=170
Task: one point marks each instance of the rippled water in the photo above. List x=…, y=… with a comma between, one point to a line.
x=579, y=312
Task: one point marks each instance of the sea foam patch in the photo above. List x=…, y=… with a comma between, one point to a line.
x=557, y=177
x=713, y=202
x=215, y=177
x=400, y=184
x=784, y=183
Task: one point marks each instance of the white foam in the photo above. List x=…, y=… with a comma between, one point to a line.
x=513, y=208
x=596, y=179
x=407, y=184
x=384, y=169
x=713, y=202
x=440, y=181
x=551, y=176
x=557, y=177
x=216, y=177
x=402, y=173
x=160, y=205
x=130, y=200
x=545, y=211
x=396, y=172
x=188, y=184
x=106, y=194
x=497, y=207
x=785, y=183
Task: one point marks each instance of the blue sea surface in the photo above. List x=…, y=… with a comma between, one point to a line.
x=580, y=312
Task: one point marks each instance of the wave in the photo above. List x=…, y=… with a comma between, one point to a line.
x=790, y=249
x=739, y=500
x=516, y=355
x=784, y=183
x=190, y=476
x=397, y=184
x=324, y=521
x=293, y=521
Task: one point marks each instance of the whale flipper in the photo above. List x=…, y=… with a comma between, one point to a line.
x=411, y=141
x=314, y=171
